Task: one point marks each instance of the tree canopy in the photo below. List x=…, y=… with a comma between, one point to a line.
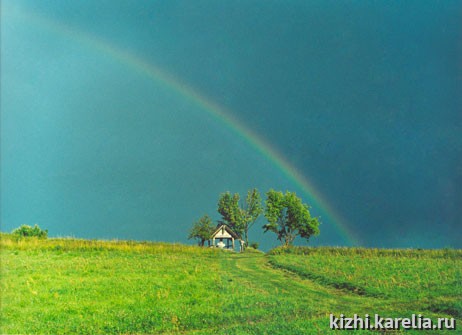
x=288, y=217
x=240, y=217
x=250, y=212
x=202, y=230
x=228, y=207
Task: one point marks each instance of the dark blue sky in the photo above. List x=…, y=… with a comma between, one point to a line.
x=363, y=98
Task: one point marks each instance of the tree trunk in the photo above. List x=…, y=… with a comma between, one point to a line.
x=288, y=240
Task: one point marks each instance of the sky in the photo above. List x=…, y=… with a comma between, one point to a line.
x=126, y=120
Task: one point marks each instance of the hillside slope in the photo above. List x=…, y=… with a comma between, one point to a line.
x=62, y=286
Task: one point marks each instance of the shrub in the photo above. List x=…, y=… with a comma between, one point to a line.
x=254, y=245
x=28, y=231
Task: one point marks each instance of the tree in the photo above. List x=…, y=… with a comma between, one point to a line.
x=250, y=212
x=288, y=217
x=228, y=207
x=202, y=230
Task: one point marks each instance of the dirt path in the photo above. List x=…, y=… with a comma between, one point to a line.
x=317, y=300
x=260, y=299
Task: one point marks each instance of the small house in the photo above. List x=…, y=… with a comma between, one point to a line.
x=223, y=237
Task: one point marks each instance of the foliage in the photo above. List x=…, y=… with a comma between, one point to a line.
x=240, y=218
x=254, y=245
x=202, y=230
x=28, y=231
x=228, y=207
x=250, y=211
x=288, y=217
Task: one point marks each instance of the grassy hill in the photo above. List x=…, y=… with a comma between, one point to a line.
x=68, y=286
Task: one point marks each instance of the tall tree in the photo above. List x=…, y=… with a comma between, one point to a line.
x=202, y=230
x=288, y=217
x=250, y=212
x=228, y=207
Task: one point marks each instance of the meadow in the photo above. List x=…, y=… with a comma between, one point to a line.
x=71, y=286
x=416, y=279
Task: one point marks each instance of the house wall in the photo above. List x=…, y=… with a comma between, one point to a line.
x=220, y=235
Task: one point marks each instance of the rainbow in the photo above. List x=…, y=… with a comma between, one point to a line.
x=213, y=110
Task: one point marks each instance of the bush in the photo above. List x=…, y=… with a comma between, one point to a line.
x=28, y=231
x=254, y=245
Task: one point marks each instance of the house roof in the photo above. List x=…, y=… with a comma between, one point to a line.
x=224, y=227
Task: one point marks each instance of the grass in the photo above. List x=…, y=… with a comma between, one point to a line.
x=70, y=286
x=427, y=279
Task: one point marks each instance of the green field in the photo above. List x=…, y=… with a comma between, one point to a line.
x=65, y=286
